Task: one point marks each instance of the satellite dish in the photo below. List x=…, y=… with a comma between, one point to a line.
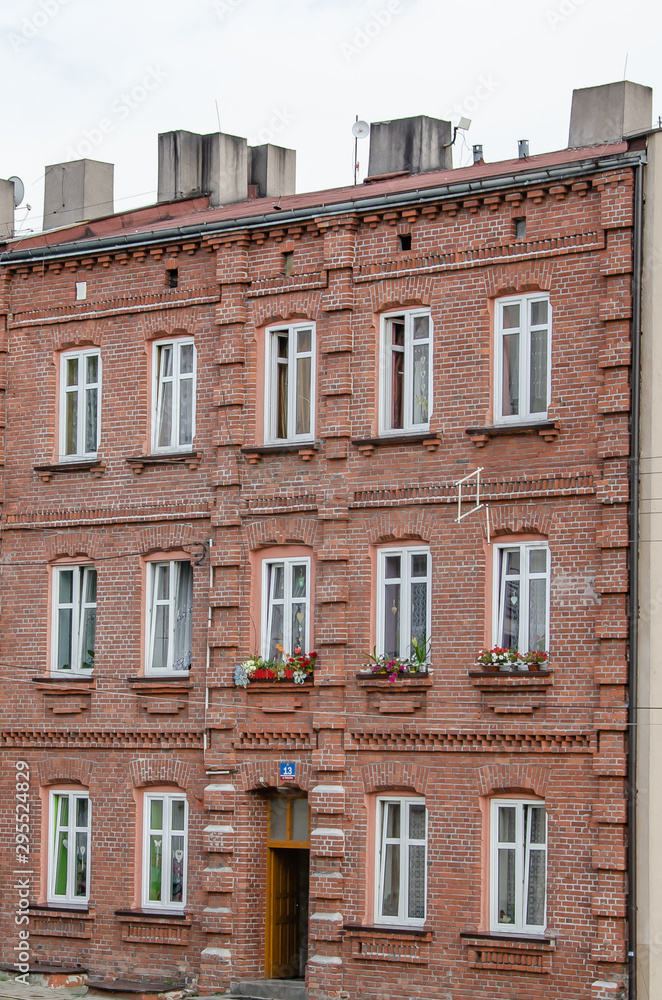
x=19, y=190
x=360, y=130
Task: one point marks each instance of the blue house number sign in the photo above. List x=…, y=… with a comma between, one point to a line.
x=288, y=769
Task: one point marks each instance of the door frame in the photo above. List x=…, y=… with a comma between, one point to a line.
x=272, y=845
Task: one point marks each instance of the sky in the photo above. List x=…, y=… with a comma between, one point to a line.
x=101, y=78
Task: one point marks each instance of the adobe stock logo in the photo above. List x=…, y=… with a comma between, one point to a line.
x=280, y=119
x=31, y=26
x=365, y=34
x=120, y=110
x=564, y=10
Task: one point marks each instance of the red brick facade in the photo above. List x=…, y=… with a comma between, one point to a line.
x=455, y=738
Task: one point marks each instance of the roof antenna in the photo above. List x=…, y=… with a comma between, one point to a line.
x=360, y=130
x=218, y=116
x=625, y=68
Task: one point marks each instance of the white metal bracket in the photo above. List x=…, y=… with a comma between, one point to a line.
x=475, y=475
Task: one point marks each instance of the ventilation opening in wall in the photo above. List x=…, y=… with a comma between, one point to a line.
x=172, y=277
x=405, y=241
x=520, y=228
x=288, y=263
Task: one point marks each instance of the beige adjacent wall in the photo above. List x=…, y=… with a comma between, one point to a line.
x=649, y=740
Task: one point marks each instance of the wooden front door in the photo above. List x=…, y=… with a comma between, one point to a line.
x=287, y=888
x=282, y=919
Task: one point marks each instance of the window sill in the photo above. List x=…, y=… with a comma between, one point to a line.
x=408, y=945
x=511, y=679
x=54, y=920
x=305, y=449
x=140, y=462
x=58, y=683
x=549, y=430
x=366, y=446
x=519, y=953
x=66, y=695
x=52, y=909
x=46, y=472
x=159, y=927
x=162, y=682
x=518, y=693
x=165, y=695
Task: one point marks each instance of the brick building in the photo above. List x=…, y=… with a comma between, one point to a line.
x=230, y=428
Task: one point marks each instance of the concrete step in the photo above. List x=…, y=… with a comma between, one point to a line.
x=269, y=989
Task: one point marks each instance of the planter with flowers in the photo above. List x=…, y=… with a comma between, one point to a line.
x=297, y=667
x=509, y=660
x=393, y=668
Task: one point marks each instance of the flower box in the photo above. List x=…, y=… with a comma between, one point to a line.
x=296, y=668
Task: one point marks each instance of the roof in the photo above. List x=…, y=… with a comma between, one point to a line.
x=174, y=220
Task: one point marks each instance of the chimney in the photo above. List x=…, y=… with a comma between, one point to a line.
x=608, y=113
x=522, y=149
x=6, y=209
x=192, y=164
x=77, y=192
x=417, y=145
x=273, y=170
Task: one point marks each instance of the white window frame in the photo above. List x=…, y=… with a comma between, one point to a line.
x=405, y=652
x=177, y=377
x=171, y=603
x=78, y=607
x=81, y=389
x=499, y=581
x=523, y=847
x=525, y=329
x=385, y=373
x=381, y=841
x=167, y=798
x=271, y=383
x=70, y=898
x=267, y=604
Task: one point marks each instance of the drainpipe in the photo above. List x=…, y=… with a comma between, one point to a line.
x=634, y=577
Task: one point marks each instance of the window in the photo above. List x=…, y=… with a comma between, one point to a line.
x=74, y=618
x=170, y=611
x=174, y=396
x=290, y=384
x=401, y=861
x=520, y=228
x=81, y=291
x=405, y=381
x=523, y=358
x=521, y=597
x=286, y=607
x=69, y=847
x=172, y=277
x=519, y=866
x=80, y=385
x=403, y=611
x=165, y=823
x=405, y=241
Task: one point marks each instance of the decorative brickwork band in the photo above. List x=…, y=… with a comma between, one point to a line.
x=395, y=775
x=164, y=771
x=56, y=770
x=512, y=777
